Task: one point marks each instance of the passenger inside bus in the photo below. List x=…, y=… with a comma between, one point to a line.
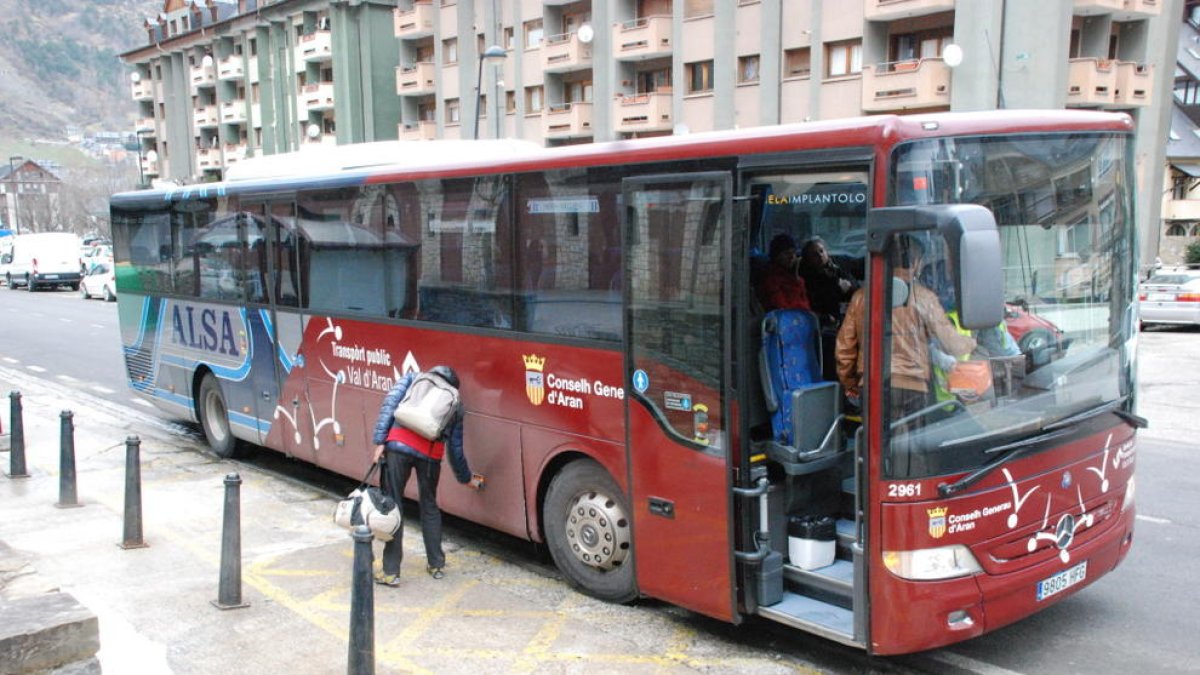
x=829, y=286
x=781, y=286
x=917, y=316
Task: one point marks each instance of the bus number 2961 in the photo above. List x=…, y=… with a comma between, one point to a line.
x=904, y=489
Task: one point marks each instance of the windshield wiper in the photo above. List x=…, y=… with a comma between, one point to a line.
x=1011, y=451
x=1113, y=407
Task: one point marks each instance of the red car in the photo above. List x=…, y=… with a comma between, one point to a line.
x=1031, y=331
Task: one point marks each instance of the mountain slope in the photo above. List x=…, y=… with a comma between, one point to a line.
x=59, y=65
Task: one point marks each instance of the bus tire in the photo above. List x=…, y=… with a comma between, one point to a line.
x=588, y=532
x=214, y=417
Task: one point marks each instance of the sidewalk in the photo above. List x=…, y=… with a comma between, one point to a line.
x=154, y=604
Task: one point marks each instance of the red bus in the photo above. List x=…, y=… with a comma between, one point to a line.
x=599, y=305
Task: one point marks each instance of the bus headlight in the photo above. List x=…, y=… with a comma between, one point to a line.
x=925, y=564
x=1128, y=501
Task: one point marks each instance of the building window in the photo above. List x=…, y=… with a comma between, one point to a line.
x=508, y=37
x=699, y=77
x=510, y=102
x=450, y=51
x=483, y=107
x=1176, y=231
x=693, y=9
x=748, y=69
x=533, y=34
x=453, y=111
x=843, y=58
x=923, y=45
x=533, y=99
x=797, y=62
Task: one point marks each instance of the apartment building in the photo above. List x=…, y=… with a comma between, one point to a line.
x=217, y=82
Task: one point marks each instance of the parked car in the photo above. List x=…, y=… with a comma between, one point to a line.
x=1032, y=332
x=99, y=283
x=1170, y=298
x=43, y=260
x=94, y=255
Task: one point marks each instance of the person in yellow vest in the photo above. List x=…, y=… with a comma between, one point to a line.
x=975, y=379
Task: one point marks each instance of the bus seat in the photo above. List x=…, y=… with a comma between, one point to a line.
x=790, y=360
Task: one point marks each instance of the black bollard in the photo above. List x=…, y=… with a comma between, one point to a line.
x=133, y=495
x=16, y=459
x=229, y=595
x=67, y=497
x=362, y=606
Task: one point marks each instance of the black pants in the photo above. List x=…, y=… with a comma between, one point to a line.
x=396, y=471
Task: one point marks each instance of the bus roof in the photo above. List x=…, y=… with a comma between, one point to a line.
x=389, y=161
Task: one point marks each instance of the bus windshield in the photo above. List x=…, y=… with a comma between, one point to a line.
x=1065, y=347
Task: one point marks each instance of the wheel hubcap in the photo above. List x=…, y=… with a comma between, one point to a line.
x=598, y=531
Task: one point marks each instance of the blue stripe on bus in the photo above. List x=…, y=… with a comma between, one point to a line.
x=284, y=360
x=240, y=419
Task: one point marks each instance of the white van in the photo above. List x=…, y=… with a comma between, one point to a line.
x=43, y=260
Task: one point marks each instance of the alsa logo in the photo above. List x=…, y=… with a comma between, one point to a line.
x=205, y=329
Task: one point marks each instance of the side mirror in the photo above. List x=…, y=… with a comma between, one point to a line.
x=974, y=247
x=6, y=259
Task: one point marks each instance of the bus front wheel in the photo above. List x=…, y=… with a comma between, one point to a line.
x=588, y=531
x=214, y=417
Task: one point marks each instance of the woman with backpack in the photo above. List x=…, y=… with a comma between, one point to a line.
x=432, y=417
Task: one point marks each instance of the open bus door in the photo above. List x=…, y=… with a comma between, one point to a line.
x=677, y=375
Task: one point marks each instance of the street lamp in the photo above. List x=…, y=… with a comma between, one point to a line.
x=12, y=179
x=494, y=55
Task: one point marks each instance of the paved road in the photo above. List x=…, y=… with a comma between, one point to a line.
x=1138, y=619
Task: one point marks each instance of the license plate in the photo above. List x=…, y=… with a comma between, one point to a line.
x=1161, y=297
x=50, y=276
x=1061, y=581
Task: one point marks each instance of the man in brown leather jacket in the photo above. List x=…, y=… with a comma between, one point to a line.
x=915, y=321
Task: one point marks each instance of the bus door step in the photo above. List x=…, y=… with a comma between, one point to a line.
x=833, y=584
x=824, y=619
x=846, y=537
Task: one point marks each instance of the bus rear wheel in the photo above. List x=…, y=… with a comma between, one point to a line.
x=588, y=531
x=214, y=417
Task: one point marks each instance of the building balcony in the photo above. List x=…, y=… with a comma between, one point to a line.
x=317, y=96
x=646, y=38
x=208, y=159
x=145, y=127
x=230, y=68
x=1122, y=10
x=235, y=152
x=256, y=114
x=1091, y=82
x=233, y=112
x=316, y=46
x=570, y=120
x=204, y=76
x=563, y=53
x=149, y=167
x=642, y=112
x=206, y=117
x=1135, y=84
x=891, y=10
x=1182, y=209
x=143, y=90
x=906, y=85
x=416, y=79
x=413, y=23
x=424, y=130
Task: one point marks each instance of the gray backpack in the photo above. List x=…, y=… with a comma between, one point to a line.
x=428, y=406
